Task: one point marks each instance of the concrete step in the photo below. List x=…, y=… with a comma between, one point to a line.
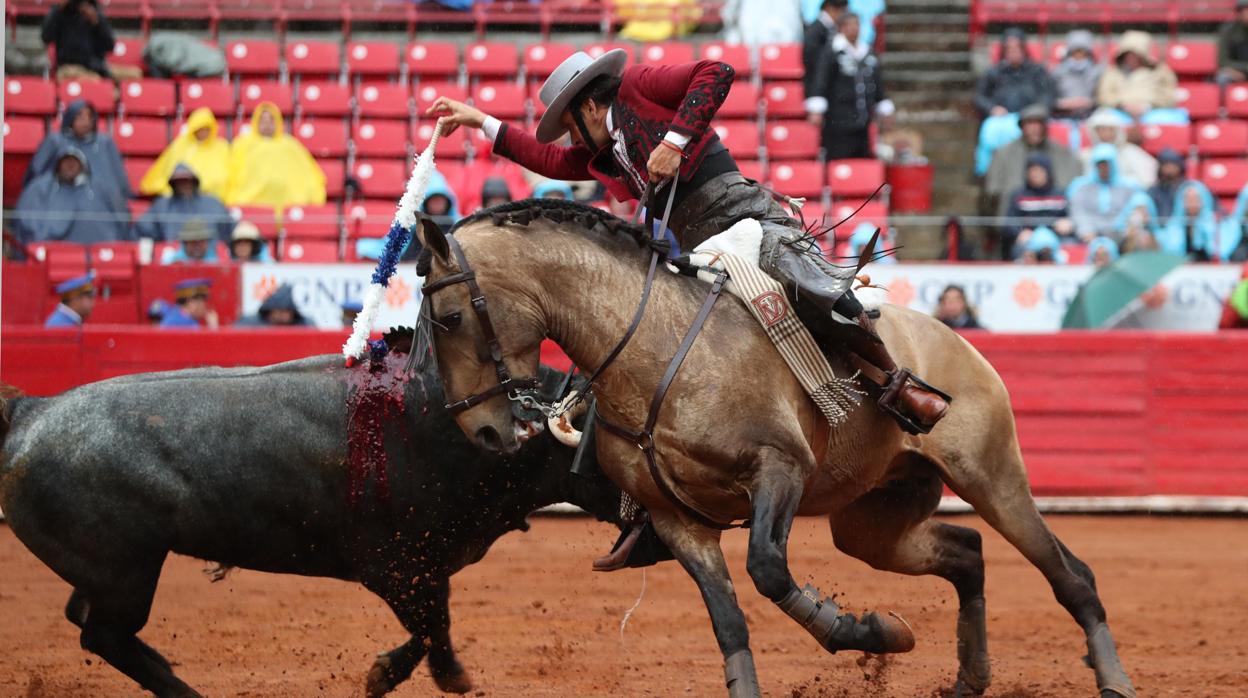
x=926, y=41
x=929, y=21
x=897, y=7
x=926, y=60
x=946, y=82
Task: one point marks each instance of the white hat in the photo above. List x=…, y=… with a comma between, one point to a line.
x=572, y=75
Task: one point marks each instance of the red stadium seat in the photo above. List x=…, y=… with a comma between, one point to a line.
x=253, y=58
x=326, y=138
x=855, y=178
x=781, y=62
x=367, y=218
x=311, y=222
x=752, y=169
x=149, y=97
x=138, y=207
x=384, y=101
x=253, y=92
x=1059, y=132
x=1225, y=177
x=313, y=58
x=540, y=60
x=310, y=251
x=426, y=93
x=803, y=178
x=1237, y=101
x=735, y=55
x=373, y=58
x=784, y=100
x=22, y=135
x=97, y=93
x=1158, y=137
x=335, y=177
x=215, y=95
x=1201, y=100
x=324, y=98
x=141, y=136
x=843, y=216
x=598, y=48
x=740, y=137
x=426, y=59
x=502, y=100
x=28, y=95
x=116, y=264
x=793, y=140
x=262, y=216
x=452, y=146
x=742, y=102
x=136, y=167
x=1227, y=138
x=669, y=53
x=1197, y=59
x=491, y=59
x=382, y=178
x=127, y=52
x=380, y=138
x=65, y=260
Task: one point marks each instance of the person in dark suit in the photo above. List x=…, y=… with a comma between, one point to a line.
x=847, y=93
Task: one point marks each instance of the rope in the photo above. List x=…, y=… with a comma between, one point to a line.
x=629, y=613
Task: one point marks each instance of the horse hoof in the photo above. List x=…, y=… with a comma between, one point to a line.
x=378, y=681
x=893, y=632
x=454, y=683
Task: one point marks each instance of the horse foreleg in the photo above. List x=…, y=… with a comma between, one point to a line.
x=697, y=549
x=777, y=493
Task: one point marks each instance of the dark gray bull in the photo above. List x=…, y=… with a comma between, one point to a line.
x=279, y=469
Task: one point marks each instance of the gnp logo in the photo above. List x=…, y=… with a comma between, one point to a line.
x=398, y=293
x=264, y=288
x=1027, y=293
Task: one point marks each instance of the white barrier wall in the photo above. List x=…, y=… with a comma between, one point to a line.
x=320, y=290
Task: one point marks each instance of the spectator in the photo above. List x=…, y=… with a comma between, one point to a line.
x=165, y=218
x=862, y=235
x=350, y=308
x=1134, y=163
x=1136, y=83
x=953, y=309
x=1171, y=174
x=847, y=94
x=1039, y=201
x=199, y=147
x=278, y=310
x=246, y=245
x=156, y=311
x=1193, y=229
x=268, y=167
x=79, y=128
x=553, y=189
x=1009, y=162
x=1231, y=232
x=1075, y=79
x=1015, y=82
x=198, y=245
x=440, y=204
x=77, y=302
x=1233, y=46
x=1097, y=199
x=190, y=309
x=1138, y=215
x=495, y=192
x=82, y=37
x=816, y=43
x=64, y=206
x=1042, y=246
x=1102, y=252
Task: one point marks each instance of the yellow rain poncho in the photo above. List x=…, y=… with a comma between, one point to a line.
x=210, y=158
x=272, y=171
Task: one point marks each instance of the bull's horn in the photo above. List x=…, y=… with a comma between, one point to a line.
x=564, y=432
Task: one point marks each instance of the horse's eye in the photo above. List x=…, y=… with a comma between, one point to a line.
x=451, y=320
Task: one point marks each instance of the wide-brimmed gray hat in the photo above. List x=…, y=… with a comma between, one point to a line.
x=572, y=75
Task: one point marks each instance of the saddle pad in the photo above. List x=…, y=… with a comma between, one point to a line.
x=765, y=299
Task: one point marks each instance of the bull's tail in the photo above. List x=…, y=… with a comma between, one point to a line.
x=8, y=394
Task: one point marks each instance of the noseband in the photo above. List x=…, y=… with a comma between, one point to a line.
x=506, y=384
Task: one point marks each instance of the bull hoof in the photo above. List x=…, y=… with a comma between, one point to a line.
x=454, y=683
x=1126, y=692
x=378, y=683
x=892, y=633
x=962, y=689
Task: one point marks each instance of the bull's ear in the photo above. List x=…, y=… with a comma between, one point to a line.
x=432, y=238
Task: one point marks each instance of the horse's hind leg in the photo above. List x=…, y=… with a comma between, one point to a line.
x=777, y=493
x=890, y=529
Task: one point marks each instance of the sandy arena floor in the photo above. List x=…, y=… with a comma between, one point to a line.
x=532, y=620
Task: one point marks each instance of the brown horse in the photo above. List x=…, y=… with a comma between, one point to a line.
x=738, y=438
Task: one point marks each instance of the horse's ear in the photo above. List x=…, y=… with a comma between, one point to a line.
x=432, y=237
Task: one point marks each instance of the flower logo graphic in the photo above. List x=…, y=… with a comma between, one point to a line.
x=398, y=293
x=1027, y=293
x=264, y=287
x=900, y=291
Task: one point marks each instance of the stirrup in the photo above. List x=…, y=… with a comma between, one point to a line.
x=892, y=394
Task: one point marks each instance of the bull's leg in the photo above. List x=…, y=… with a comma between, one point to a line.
x=697, y=549
x=777, y=493
x=889, y=529
x=424, y=611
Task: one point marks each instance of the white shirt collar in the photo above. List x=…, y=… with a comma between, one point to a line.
x=65, y=309
x=858, y=50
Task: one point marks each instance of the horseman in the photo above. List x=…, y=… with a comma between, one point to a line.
x=641, y=124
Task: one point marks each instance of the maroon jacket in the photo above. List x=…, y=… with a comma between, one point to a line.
x=652, y=100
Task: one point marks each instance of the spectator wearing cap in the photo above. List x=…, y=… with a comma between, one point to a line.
x=1098, y=198
x=1134, y=163
x=350, y=309
x=1015, y=82
x=1039, y=202
x=848, y=93
x=190, y=309
x=1136, y=83
x=278, y=310
x=495, y=192
x=1102, y=252
x=1171, y=174
x=164, y=220
x=246, y=245
x=553, y=189
x=1008, y=170
x=1233, y=46
x=80, y=129
x=817, y=41
x=64, y=205
x=1077, y=76
x=198, y=245
x=77, y=302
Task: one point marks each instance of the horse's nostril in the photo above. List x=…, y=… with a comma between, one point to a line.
x=489, y=439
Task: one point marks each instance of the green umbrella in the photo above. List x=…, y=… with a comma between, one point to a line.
x=1114, y=287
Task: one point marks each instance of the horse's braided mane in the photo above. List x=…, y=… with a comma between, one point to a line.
x=525, y=211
